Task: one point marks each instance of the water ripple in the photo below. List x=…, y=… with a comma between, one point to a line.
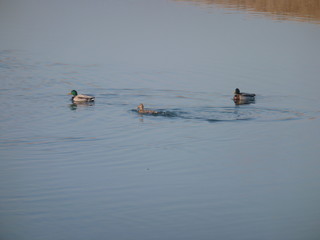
x=229, y=114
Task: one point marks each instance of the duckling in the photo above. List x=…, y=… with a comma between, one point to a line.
x=141, y=109
x=80, y=97
x=243, y=96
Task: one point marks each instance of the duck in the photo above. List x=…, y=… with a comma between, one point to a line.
x=80, y=97
x=141, y=109
x=240, y=96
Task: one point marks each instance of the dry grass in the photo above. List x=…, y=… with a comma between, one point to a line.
x=300, y=10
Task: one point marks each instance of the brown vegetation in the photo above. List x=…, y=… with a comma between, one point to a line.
x=300, y=10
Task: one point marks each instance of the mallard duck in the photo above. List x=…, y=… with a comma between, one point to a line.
x=141, y=109
x=80, y=97
x=243, y=96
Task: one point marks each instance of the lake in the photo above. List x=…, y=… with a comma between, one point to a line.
x=205, y=167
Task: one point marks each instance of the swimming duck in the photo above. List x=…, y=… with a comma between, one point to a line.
x=243, y=96
x=80, y=97
x=141, y=109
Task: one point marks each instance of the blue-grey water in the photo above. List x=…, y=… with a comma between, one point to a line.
x=204, y=168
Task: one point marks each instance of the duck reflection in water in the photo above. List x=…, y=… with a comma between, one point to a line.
x=243, y=102
x=75, y=105
x=243, y=98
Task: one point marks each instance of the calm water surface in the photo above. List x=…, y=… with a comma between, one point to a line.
x=204, y=168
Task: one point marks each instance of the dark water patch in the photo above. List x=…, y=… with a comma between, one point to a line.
x=164, y=113
x=274, y=114
x=216, y=114
x=219, y=120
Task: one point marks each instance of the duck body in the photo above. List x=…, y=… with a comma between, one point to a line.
x=80, y=97
x=240, y=96
x=83, y=98
x=142, y=110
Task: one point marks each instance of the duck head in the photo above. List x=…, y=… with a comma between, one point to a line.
x=73, y=92
x=140, y=107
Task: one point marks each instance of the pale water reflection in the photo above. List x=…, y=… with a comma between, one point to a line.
x=203, y=168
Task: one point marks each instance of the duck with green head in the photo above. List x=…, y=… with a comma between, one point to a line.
x=80, y=97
